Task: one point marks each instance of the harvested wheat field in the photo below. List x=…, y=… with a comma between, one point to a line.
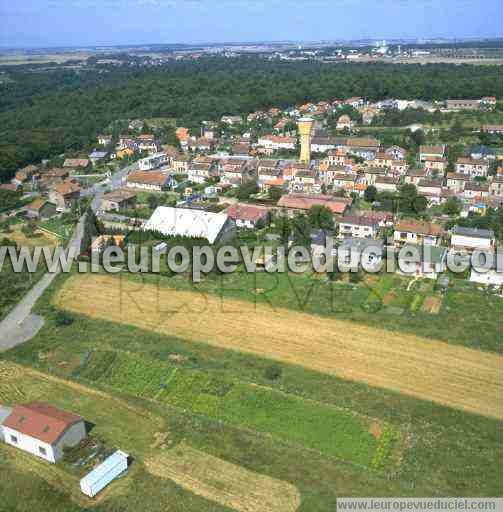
x=447, y=374
x=223, y=482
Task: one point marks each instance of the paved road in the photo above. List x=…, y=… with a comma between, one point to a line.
x=21, y=324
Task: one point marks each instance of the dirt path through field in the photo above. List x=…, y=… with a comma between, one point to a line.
x=447, y=374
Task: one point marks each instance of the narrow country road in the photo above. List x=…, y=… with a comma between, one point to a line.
x=21, y=324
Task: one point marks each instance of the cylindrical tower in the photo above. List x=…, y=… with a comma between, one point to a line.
x=305, y=126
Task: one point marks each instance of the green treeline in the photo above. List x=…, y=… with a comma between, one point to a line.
x=46, y=113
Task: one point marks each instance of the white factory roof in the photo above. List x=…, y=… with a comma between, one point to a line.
x=186, y=222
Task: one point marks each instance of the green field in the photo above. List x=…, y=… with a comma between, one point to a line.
x=332, y=431
x=329, y=430
x=15, y=285
x=61, y=226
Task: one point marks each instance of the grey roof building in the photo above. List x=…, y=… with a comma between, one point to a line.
x=473, y=232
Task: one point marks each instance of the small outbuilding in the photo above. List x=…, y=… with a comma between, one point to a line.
x=40, y=209
x=43, y=430
x=104, y=474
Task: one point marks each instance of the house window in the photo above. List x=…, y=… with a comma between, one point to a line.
x=13, y=439
x=42, y=450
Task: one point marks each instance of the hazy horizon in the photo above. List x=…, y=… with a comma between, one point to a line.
x=74, y=23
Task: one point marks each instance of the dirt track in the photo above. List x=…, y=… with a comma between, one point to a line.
x=451, y=375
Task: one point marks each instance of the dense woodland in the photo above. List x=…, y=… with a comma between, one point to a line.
x=45, y=113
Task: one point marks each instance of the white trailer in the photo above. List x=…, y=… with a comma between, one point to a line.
x=105, y=473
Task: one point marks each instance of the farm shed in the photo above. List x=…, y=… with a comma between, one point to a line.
x=105, y=473
x=43, y=430
x=4, y=413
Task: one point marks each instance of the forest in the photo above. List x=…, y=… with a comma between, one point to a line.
x=43, y=114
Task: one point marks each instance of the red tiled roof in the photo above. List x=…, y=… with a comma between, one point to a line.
x=420, y=227
x=387, y=180
x=41, y=421
x=279, y=139
x=432, y=150
x=378, y=216
x=359, y=220
x=417, y=173
x=246, y=212
x=430, y=158
x=304, y=202
x=55, y=172
x=148, y=177
x=471, y=161
x=67, y=187
x=363, y=142
x=275, y=182
x=119, y=195
x=36, y=204
x=76, y=162
x=457, y=176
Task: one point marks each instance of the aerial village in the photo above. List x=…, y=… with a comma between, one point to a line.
x=256, y=168
x=243, y=176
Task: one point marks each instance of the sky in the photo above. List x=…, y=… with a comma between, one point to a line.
x=47, y=23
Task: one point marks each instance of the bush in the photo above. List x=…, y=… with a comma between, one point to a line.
x=355, y=277
x=6, y=242
x=29, y=229
x=272, y=372
x=63, y=319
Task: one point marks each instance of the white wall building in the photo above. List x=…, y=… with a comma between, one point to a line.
x=472, y=238
x=153, y=161
x=493, y=276
x=353, y=226
x=42, y=430
x=276, y=142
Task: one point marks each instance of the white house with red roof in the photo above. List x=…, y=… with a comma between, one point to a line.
x=42, y=430
x=247, y=215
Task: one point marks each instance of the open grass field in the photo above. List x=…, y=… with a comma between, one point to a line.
x=223, y=482
x=454, y=376
x=17, y=236
x=16, y=284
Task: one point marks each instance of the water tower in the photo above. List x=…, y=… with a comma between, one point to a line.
x=305, y=126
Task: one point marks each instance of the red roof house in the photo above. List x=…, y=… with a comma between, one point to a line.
x=43, y=430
